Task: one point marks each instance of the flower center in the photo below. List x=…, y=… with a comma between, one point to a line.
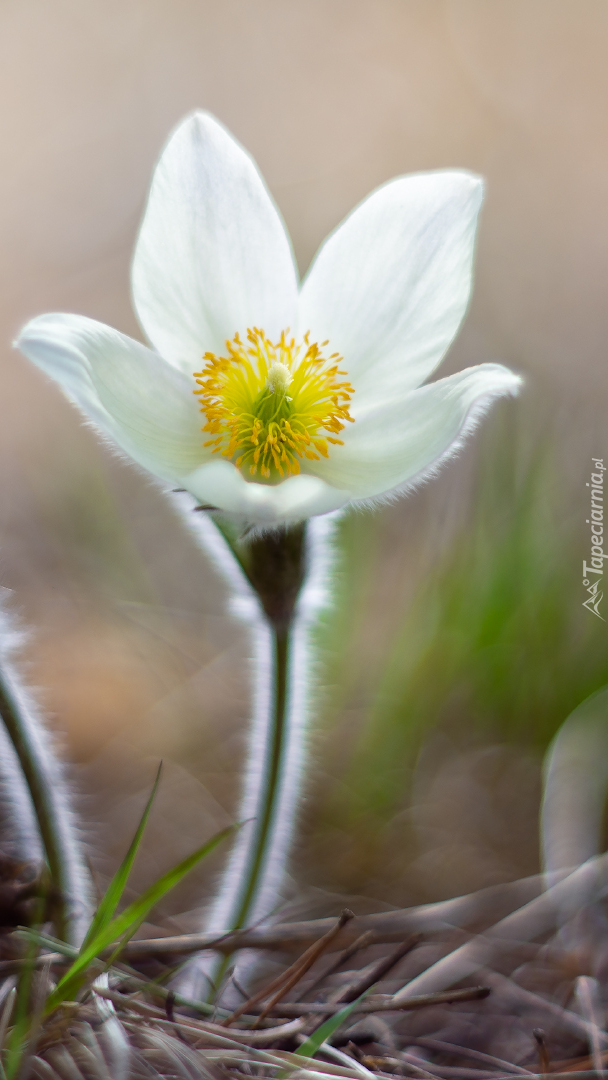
x=268, y=405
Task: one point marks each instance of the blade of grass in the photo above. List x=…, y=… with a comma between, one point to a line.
x=22, y=1023
x=4, y=1022
x=45, y=941
x=325, y=1030
x=125, y=924
x=107, y=908
x=18, y=1036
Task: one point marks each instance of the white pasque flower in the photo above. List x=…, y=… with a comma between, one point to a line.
x=266, y=399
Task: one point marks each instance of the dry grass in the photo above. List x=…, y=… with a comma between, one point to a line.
x=533, y=1003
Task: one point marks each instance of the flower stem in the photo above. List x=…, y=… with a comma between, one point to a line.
x=68, y=889
x=274, y=565
x=277, y=587
x=272, y=784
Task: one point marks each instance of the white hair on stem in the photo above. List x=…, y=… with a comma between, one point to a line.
x=39, y=822
x=250, y=886
x=20, y=836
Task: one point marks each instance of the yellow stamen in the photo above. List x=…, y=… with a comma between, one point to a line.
x=270, y=405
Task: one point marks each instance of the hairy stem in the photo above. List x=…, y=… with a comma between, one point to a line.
x=271, y=788
x=278, y=588
x=274, y=566
x=68, y=890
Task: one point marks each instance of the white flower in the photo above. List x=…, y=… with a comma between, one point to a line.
x=269, y=400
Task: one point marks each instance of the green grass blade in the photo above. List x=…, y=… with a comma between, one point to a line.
x=45, y=941
x=18, y=1037
x=107, y=908
x=5, y=1018
x=125, y=924
x=133, y=916
x=326, y=1030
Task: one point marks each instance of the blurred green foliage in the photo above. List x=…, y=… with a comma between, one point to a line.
x=494, y=646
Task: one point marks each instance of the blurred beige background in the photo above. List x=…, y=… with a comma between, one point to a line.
x=130, y=644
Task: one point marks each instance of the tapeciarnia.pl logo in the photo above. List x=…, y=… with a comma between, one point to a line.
x=593, y=572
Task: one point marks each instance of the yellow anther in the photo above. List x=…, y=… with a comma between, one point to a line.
x=271, y=404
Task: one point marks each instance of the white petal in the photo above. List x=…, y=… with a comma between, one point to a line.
x=395, y=444
x=390, y=287
x=220, y=484
x=145, y=405
x=212, y=257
